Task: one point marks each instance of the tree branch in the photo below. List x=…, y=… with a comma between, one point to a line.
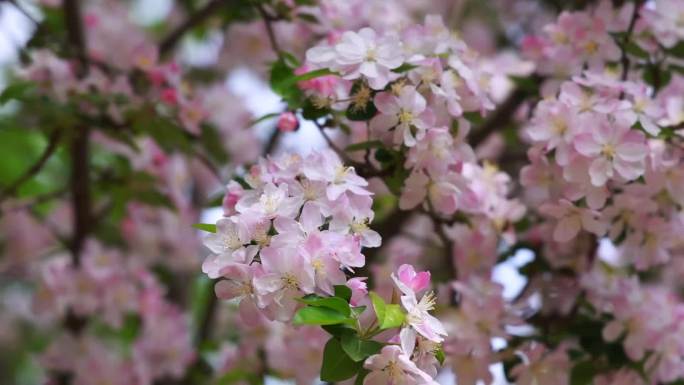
x=268, y=19
x=171, y=40
x=499, y=117
x=53, y=141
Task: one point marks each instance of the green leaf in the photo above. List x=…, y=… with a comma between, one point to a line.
x=337, y=366
x=315, y=315
x=311, y=75
x=358, y=310
x=389, y=315
x=205, y=227
x=363, y=145
x=358, y=349
x=406, y=67
x=339, y=329
x=394, y=317
x=583, y=373
x=309, y=18
x=342, y=291
x=264, y=118
x=282, y=83
x=15, y=91
x=633, y=49
x=439, y=355
x=334, y=303
x=361, y=376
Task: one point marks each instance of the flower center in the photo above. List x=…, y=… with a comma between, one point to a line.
x=608, y=150
x=405, y=117
x=359, y=227
x=290, y=281
x=371, y=55
x=341, y=174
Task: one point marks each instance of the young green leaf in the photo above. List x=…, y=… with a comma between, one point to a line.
x=334, y=303
x=205, y=227
x=314, y=315
x=389, y=315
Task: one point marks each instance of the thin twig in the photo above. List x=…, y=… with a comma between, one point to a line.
x=23, y=11
x=171, y=40
x=626, y=63
x=499, y=118
x=53, y=142
x=268, y=19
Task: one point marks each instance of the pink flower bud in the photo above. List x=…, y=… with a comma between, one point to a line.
x=287, y=122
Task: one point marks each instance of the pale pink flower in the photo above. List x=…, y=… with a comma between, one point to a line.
x=326, y=166
x=287, y=276
x=229, y=244
x=613, y=148
x=394, y=366
x=405, y=113
x=361, y=54
x=571, y=219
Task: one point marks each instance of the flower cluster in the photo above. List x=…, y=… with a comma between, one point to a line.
x=113, y=289
x=296, y=229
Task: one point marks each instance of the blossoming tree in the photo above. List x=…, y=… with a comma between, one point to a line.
x=462, y=139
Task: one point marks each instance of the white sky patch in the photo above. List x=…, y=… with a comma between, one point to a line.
x=148, y=12
x=15, y=30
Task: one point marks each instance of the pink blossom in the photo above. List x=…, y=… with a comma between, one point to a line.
x=405, y=113
x=287, y=276
x=361, y=54
x=326, y=166
x=409, y=281
x=571, y=219
x=613, y=147
x=393, y=366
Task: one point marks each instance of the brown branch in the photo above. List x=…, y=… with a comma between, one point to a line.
x=74, y=28
x=171, y=40
x=268, y=20
x=53, y=141
x=499, y=118
x=626, y=63
x=272, y=142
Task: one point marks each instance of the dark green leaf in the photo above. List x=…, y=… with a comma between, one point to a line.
x=358, y=349
x=406, y=67
x=337, y=366
x=363, y=145
x=15, y=91
x=583, y=373
x=342, y=291
x=308, y=18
